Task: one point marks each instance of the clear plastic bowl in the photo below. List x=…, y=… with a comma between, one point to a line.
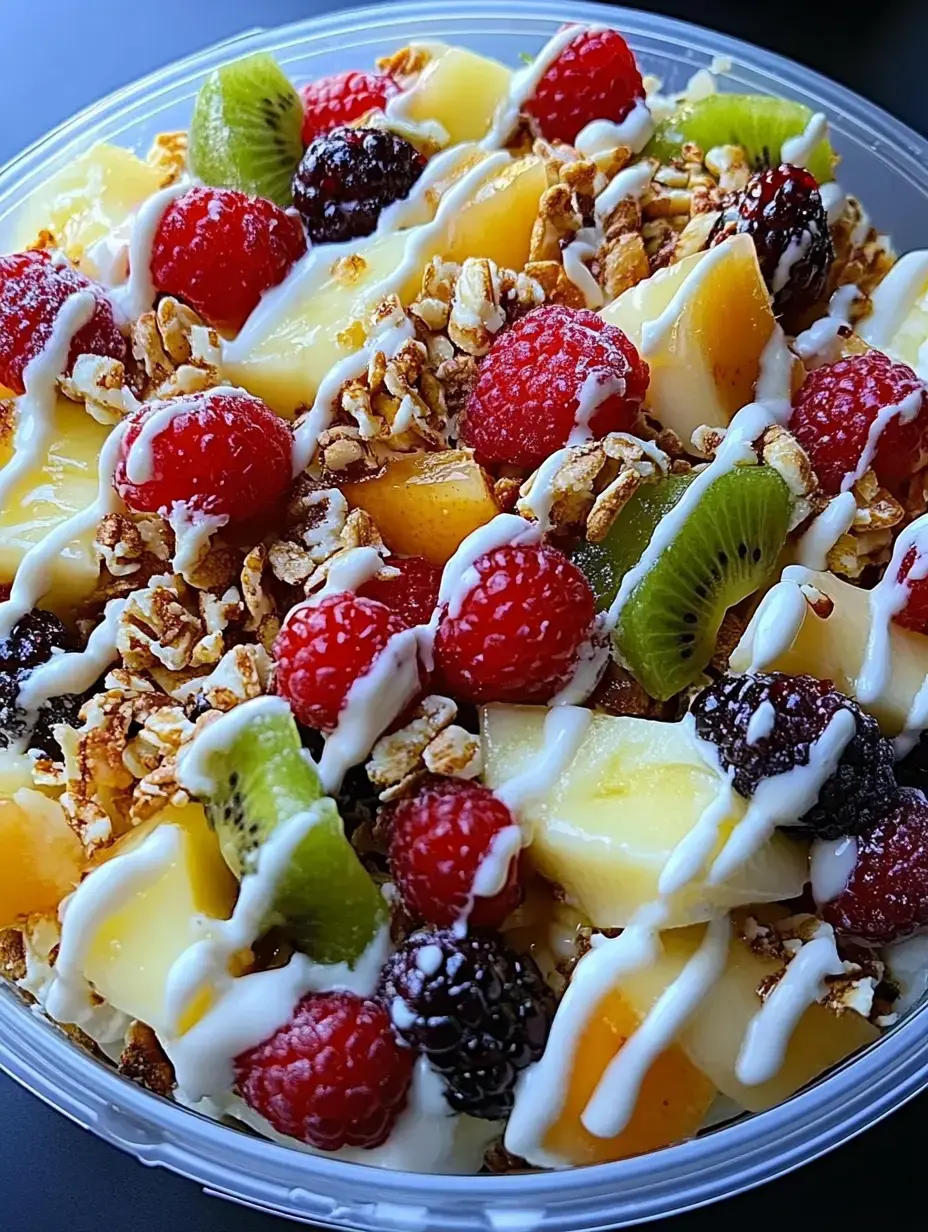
x=887, y=164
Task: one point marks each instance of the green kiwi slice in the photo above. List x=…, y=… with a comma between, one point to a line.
x=725, y=550
x=246, y=129
x=325, y=900
x=605, y=563
x=757, y=123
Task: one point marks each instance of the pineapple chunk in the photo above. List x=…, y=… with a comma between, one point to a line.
x=426, y=504
x=458, y=89
x=607, y=828
x=41, y=858
x=135, y=948
x=65, y=483
x=898, y=322
x=673, y=1102
x=88, y=199
x=833, y=647
x=283, y=354
x=704, y=362
x=713, y=1037
x=15, y=772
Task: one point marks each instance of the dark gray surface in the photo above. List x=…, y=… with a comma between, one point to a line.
x=63, y=54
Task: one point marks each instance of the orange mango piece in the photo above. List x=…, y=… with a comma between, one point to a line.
x=41, y=858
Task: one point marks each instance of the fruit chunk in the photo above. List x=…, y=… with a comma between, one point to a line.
x=833, y=647
x=704, y=363
x=672, y=1104
x=898, y=323
x=605, y=830
x=245, y=131
x=64, y=483
x=290, y=345
x=41, y=858
x=723, y=551
x=261, y=781
x=757, y=123
x=426, y=504
x=458, y=90
x=92, y=196
x=134, y=949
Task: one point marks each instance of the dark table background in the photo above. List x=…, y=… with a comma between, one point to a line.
x=60, y=55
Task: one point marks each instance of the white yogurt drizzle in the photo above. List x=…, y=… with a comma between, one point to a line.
x=575, y=257
x=904, y=411
x=761, y=722
x=633, y=181
x=799, y=150
x=776, y=623
x=597, y=386
x=834, y=199
x=138, y=293
x=770, y=1030
x=35, y=409
x=489, y=879
x=634, y=132
x=887, y=598
x=74, y=671
x=832, y=864
x=823, y=532
x=894, y=298
x=564, y=731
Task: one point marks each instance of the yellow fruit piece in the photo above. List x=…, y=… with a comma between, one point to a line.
x=425, y=504
x=458, y=89
x=135, y=948
x=15, y=772
x=608, y=825
x=702, y=326
x=41, y=857
x=88, y=199
x=714, y=1035
x=672, y=1104
x=283, y=356
x=833, y=648
x=64, y=483
x=898, y=322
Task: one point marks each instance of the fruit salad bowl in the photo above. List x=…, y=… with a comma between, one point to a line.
x=640, y=872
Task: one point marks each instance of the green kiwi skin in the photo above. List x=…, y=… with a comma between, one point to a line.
x=604, y=564
x=726, y=549
x=246, y=130
x=325, y=901
x=754, y=121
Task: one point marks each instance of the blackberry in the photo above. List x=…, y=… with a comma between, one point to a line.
x=912, y=770
x=348, y=176
x=32, y=642
x=479, y=1012
x=781, y=209
x=855, y=795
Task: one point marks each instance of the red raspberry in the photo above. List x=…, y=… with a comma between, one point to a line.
x=219, y=250
x=835, y=409
x=594, y=78
x=437, y=842
x=33, y=289
x=217, y=453
x=915, y=613
x=323, y=649
x=520, y=629
x=782, y=211
x=343, y=97
x=528, y=393
x=412, y=594
x=887, y=894
x=334, y=1076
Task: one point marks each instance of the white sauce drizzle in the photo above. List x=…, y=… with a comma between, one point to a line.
x=777, y=622
x=138, y=294
x=460, y=577
x=894, y=298
x=831, y=867
x=887, y=598
x=905, y=411
x=564, y=730
x=799, y=150
x=834, y=199
x=633, y=181
x=761, y=722
x=835, y=520
x=596, y=388
x=74, y=671
x=634, y=132
x=574, y=257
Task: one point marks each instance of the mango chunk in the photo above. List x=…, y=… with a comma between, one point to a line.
x=41, y=857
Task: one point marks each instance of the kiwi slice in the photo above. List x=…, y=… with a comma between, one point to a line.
x=725, y=550
x=754, y=121
x=605, y=563
x=246, y=129
x=325, y=900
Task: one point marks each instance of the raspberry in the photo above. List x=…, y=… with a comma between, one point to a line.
x=336, y=100
x=219, y=250
x=33, y=289
x=216, y=453
x=348, y=176
x=477, y=1010
x=887, y=894
x=323, y=649
x=914, y=614
x=834, y=411
x=781, y=209
x=532, y=384
x=594, y=78
x=32, y=641
x=334, y=1076
x=438, y=839
x=520, y=628
x=412, y=594
x=802, y=708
